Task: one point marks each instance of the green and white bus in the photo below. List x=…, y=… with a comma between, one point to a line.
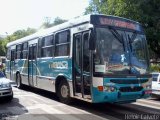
x=95, y=58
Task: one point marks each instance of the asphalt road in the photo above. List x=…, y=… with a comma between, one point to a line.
x=43, y=105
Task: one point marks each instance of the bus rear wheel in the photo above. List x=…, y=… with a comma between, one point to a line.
x=18, y=81
x=64, y=93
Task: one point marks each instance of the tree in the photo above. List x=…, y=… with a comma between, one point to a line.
x=48, y=23
x=22, y=33
x=2, y=48
x=144, y=11
x=16, y=35
x=97, y=6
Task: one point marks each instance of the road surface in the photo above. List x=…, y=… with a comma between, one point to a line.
x=43, y=105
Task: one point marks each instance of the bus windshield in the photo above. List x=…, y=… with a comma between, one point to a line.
x=120, y=52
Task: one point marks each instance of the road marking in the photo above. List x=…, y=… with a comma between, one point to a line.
x=145, y=105
x=59, y=113
x=17, y=95
x=31, y=117
x=56, y=113
x=149, y=102
x=36, y=106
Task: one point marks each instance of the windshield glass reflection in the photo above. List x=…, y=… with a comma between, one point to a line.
x=119, y=52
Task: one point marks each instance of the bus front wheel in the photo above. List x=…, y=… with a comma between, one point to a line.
x=63, y=92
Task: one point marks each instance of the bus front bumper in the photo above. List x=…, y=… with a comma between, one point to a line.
x=118, y=97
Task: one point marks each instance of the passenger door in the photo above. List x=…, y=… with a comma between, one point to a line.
x=12, y=64
x=32, y=65
x=81, y=65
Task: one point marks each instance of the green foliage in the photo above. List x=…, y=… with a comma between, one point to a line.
x=16, y=35
x=2, y=48
x=48, y=24
x=144, y=11
x=97, y=6
x=58, y=21
x=155, y=68
x=22, y=33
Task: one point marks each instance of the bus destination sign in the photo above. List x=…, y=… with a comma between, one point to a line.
x=118, y=23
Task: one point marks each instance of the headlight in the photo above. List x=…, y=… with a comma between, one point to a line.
x=110, y=88
x=6, y=85
x=148, y=86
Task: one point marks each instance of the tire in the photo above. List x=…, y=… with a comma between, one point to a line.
x=18, y=81
x=155, y=96
x=9, y=98
x=64, y=92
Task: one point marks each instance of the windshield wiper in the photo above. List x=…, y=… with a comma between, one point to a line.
x=117, y=36
x=131, y=39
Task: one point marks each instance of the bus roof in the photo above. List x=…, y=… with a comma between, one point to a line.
x=68, y=24
x=71, y=23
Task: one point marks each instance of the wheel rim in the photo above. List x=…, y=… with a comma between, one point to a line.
x=64, y=91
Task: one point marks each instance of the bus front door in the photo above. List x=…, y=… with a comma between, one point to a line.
x=12, y=64
x=81, y=69
x=32, y=65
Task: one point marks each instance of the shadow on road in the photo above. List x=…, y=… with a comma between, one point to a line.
x=8, y=109
x=156, y=97
x=105, y=110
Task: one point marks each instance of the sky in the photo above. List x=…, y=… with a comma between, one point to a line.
x=21, y=14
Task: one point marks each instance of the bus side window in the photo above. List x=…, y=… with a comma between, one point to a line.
x=47, y=49
x=46, y=46
x=62, y=43
x=39, y=47
x=18, y=51
x=25, y=50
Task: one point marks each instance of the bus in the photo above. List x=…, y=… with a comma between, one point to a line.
x=95, y=58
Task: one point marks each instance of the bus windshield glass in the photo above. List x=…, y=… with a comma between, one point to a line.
x=120, y=52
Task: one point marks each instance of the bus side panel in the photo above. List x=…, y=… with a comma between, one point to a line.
x=49, y=68
x=24, y=72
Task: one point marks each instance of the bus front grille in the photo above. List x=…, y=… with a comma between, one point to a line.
x=128, y=81
x=130, y=89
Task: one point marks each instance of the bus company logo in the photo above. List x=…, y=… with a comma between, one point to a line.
x=60, y=64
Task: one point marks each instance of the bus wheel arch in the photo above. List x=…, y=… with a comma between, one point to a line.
x=18, y=80
x=62, y=89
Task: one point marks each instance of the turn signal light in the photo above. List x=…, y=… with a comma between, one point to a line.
x=100, y=88
x=148, y=91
